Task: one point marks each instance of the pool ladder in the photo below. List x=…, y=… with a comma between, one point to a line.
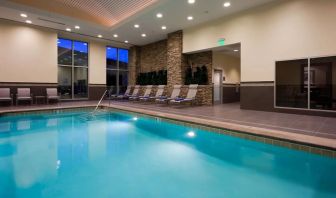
x=92, y=115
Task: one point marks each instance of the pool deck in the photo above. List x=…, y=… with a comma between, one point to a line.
x=314, y=130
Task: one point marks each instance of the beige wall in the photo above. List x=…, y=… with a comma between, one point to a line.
x=97, y=63
x=27, y=54
x=230, y=65
x=282, y=30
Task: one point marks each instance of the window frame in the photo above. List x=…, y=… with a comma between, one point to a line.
x=118, y=70
x=72, y=66
x=308, y=109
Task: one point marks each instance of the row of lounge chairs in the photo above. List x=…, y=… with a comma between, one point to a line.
x=24, y=94
x=159, y=97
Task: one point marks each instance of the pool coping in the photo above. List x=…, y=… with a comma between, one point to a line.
x=270, y=133
x=312, y=144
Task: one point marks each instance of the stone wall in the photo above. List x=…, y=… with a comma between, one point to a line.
x=153, y=57
x=133, y=65
x=198, y=60
x=175, y=58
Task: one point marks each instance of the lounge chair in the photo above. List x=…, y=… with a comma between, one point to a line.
x=146, y=94
x=52, y=95
x=134, y=93
x=191, y=96
x=23, y=94
x=121, y=96
x=175, y=93
x=5, y=95
x=158, y=95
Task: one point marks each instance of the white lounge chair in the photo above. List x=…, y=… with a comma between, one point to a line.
x=23, y=94
x=5, y=95
x=122, y=96
x=52, y=95
x=175, y=93
x=190, y=98
x=134, y=93
x=146, y=94
x=158, y=95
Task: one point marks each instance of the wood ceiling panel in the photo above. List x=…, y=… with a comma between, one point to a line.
x=103, y=12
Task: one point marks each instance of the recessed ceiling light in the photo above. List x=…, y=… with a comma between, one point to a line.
x=115, y=35
x=159, y=15
x=143, y=35
x=227, y=4
x=68, y=29
x=191, y=1
x=126, y=41
x=190, y=18
x=236, y=50
x=28, y=21
x=164, y=27
x=136, y=25
x=100, y=36
x=23, y=15
x=77, y=27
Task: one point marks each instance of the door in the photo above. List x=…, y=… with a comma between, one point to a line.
x=218, y=86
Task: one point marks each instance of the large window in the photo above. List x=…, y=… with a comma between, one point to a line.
x=72, y=69
x=117, y=69
x=306, y=83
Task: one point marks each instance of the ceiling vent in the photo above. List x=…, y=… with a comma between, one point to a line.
x=50, y=21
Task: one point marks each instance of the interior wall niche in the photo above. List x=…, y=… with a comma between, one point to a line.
x=197, y=63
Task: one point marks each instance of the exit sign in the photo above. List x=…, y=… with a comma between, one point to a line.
x=221, y=41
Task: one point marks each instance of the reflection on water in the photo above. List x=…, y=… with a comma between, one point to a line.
x=116, y=154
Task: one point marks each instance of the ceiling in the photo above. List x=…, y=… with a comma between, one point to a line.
x=231, y=50
x=110, y=17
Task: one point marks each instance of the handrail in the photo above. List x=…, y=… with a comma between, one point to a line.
x=101, y=99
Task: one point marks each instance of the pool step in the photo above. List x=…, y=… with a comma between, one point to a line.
x=92, y=115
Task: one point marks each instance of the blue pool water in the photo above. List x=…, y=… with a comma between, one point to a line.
x=115, y=155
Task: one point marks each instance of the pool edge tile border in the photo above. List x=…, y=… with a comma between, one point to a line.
x=295, y=144
x=311, y=144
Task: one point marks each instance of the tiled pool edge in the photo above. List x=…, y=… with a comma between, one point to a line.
x=291, y=144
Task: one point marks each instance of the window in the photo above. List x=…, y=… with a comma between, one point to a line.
x=307, y=83
x=117, y=69
x=72, y=69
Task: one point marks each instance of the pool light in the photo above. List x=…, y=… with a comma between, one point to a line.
x=191, y=134
x=135, y=118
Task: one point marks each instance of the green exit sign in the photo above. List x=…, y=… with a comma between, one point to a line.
x=221, y=41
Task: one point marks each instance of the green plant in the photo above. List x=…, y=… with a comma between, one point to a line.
x=188, y=76
x=197, y=76
x=204, y=75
